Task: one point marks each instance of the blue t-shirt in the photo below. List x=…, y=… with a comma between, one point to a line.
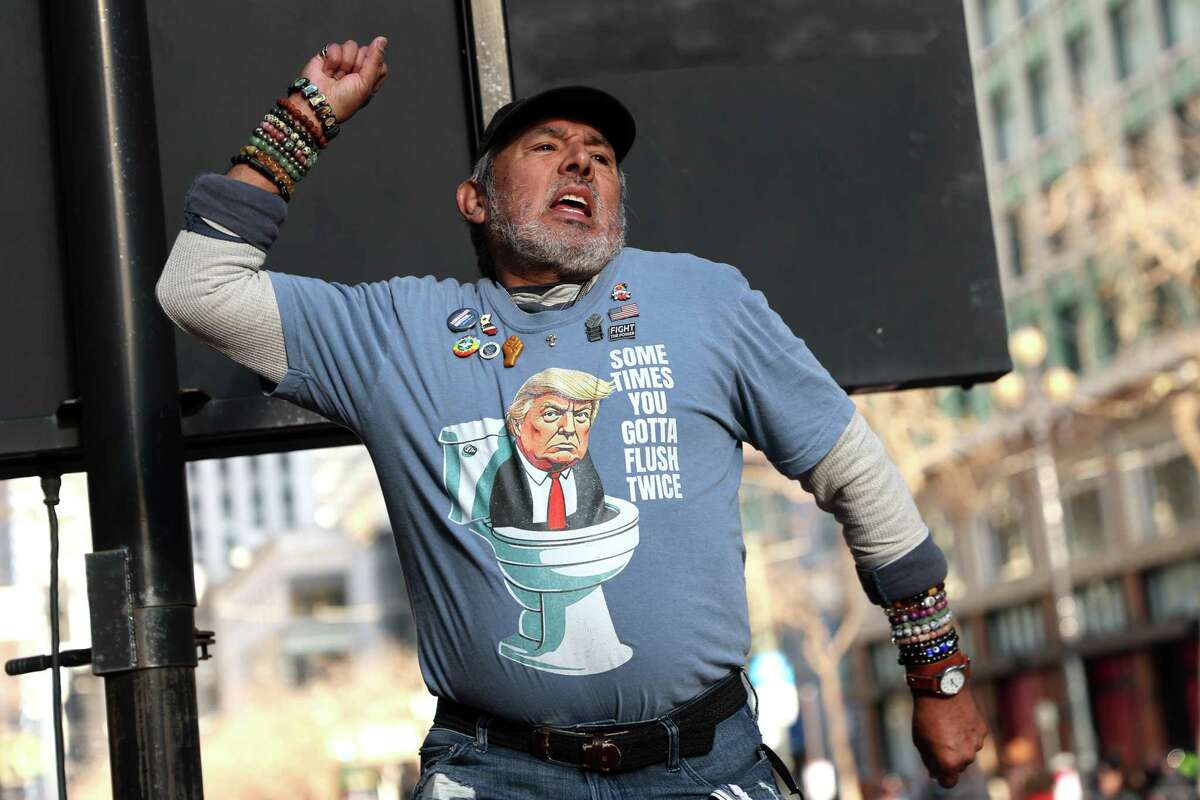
x=568, y=526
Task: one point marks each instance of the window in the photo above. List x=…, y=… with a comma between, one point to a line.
x=887, y=670
x=1101, y=607
x=1066, y=323
x=1003, y=124
x=989, y=20
x=1140, y=151
x=1168, y=315
x=1085, y=523
x=1008, y=556
x=1172, y=490
x=1187, y=127
x=314, y=593
x=1036, y=77
x=1016, y=631
x=1168, y=22
x=1016, y=241
x=942, y=531
x=1120, y=17
x=1055, y=229
x=1079, y=61
x=1171, y=591
x=1109, y=309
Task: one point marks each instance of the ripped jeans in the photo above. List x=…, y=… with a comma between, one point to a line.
x=457, y=766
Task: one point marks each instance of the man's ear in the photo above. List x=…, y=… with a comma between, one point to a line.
x=471, y=202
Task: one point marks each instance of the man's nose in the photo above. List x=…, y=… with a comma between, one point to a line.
x=577, y=161
x=567, y=426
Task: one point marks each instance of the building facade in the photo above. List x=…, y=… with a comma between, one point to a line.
x=1062, y=85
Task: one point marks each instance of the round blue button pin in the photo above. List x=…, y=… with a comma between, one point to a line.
x=462, y=320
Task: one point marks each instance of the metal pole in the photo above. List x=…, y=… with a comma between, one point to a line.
x=125, y=368
x=1067, y=614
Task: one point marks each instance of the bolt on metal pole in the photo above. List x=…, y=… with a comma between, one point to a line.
x=126, y=377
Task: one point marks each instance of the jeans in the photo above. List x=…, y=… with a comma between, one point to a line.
x=457, y=766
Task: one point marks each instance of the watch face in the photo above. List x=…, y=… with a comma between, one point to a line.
x=952, y=681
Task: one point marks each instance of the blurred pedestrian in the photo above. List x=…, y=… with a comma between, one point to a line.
x=1111, y=782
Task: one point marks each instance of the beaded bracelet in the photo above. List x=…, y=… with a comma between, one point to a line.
x=923, y=637
x=278, y=157
x=282, y=179
x=280, y=137
x=290, y=139
x=265, y=159
x=931, y=653
x=312, y=93
x=296, y=134
x=297, y=116
x=906, y=629
x=923, y=627
x=284, y=192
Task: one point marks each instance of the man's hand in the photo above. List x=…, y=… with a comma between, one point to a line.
x=948, y=732
x=348, y=74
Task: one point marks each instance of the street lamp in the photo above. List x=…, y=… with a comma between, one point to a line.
x=1053, y=385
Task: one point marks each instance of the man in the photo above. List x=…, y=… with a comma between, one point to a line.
x=550, y=482
x=667, y=715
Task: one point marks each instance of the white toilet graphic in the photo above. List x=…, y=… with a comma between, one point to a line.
x=556, y=576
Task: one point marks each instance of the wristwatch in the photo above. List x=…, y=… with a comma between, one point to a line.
x=944, y=678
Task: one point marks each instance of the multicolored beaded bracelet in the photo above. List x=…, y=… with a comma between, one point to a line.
x=296, y=114
x=296, y=142
x=312, y=93
x=277, y=156
x=281, y=139
x=296, y=133
x=923, y=637
x=922, y=626
x=931, y=652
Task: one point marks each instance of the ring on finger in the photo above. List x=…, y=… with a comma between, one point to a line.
x=323, y=51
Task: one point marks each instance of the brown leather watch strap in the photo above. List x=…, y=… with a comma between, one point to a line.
x=927, y=677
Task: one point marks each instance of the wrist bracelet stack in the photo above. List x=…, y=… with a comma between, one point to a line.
x=923, y=627
x=283, y=147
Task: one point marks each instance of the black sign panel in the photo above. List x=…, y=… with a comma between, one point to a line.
x=380, y=203
x=828, y=150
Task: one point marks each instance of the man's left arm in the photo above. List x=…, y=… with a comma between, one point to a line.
x=896, y=559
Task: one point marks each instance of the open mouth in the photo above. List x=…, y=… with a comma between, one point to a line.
x=573, y=200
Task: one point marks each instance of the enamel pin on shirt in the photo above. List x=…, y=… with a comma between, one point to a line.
x=512, y=350
x=485, y=324
x=466, y=346
x=591, y=326
x=621, y=293
x=489, y=351
x=626, y=330
x=551, y=340
x=462, y=320
x=623, y=312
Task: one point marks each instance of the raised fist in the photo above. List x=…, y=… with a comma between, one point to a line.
x=348, y=74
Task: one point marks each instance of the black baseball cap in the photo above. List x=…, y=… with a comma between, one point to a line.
x=599, y=109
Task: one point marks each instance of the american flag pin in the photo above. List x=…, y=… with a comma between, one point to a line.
x=623, y=312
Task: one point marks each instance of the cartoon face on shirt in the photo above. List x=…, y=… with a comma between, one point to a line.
x=555, y=430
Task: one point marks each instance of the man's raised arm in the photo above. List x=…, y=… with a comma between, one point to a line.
x=211, y=285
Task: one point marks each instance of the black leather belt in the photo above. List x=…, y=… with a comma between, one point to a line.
x=616, y=748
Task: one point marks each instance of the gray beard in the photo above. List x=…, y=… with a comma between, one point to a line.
x=537, y=245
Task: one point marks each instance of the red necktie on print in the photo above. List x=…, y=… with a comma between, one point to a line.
x=556, y=510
